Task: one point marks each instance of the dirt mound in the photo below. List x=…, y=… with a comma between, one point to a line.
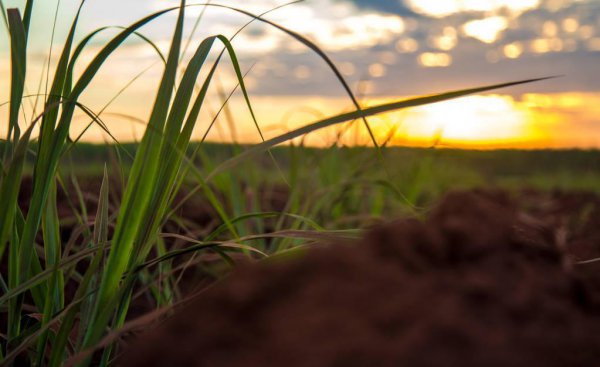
x=478, y=284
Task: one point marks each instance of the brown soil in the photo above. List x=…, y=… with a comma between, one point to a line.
x=482, y=282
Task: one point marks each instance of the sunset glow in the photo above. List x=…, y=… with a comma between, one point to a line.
x=385, y=51
x=481, y=122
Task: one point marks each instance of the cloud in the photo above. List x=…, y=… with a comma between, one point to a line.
x=386, y=6
x=437, y=8
x=385, y=43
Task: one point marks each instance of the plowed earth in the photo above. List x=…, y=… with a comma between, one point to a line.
x=488, y=279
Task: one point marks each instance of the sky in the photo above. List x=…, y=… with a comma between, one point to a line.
x=386, y=49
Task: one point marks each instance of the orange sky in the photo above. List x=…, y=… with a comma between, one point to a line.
x=482, y=122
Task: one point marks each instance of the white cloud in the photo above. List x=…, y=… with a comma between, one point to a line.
x=442, y=8
x=486, y=30
x=332, y=24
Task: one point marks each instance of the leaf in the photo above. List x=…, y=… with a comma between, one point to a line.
x=386, y=107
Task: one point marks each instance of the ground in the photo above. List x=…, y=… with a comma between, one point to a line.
x=486, y=280
x=465, y=258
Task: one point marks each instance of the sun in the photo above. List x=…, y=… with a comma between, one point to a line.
x=475, y=120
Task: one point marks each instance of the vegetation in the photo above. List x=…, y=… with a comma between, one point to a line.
x=64, y=300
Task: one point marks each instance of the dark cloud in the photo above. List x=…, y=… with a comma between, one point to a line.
x=387, y=6
x=470, y=68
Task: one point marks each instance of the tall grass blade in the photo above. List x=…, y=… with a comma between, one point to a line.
x=138, y=191
x=27, y=15
x=18, y=57
x=9, y=190
x=313, y=47
x=349, y=116
x=54, y=297
x=12, y=181
x=41, y=186
x=88, y=284
x=4, y=18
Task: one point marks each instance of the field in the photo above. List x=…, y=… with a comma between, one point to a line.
x=344, y=188
x=331, y=196
x=172, y=251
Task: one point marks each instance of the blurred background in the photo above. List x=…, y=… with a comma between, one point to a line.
x=387, y=50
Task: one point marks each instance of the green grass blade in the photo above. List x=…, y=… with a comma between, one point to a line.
x=9, y=190
x=222, y=228
x=42, y=179
x=175, y=141
x=52, y=141
x=312, y=46
x=386, y=107
x=45, y=274
x=87, y=285
x=27, y=15
x=139, y=189
x=54, y=297
x=174, y=144
x=18, y=55
x=4, y=18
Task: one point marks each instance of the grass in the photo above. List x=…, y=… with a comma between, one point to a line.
x=62, y=300
x=421, y=174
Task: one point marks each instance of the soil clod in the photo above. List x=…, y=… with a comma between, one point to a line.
x=479, y=283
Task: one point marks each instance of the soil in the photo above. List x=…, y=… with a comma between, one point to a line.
x=487, y=279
